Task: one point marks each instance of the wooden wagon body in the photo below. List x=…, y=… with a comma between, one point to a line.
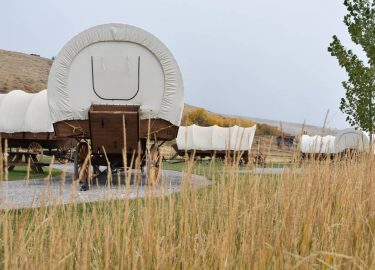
x=112, y=131
x=243, y=157
x=47, y=140
x=117, y=90
x=41, y=143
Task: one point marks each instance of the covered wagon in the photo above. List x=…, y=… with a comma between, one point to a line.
x=347, y=140
x=351, y=140
x=115, y=87
x=214, y=140
x=26, y=125
x=317, y=146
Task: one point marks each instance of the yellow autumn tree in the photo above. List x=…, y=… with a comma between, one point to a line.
x=204, y=118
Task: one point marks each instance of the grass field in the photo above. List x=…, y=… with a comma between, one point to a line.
x=20, y=173
x=321, y=218
x=206, y=167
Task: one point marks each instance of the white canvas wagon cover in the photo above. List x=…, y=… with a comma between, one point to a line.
x=318, y=144
x=215, y=138
x=351, y=139
x=345, y=139
x=1, y=98
x=115, y=64
x=24, y=112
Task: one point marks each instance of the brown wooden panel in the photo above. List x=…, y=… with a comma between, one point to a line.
x=72, y=129
x=106, y=129
x=112, y=108
x=39, y=136
x=162, y=129
x=46, y=140
x=17, y=135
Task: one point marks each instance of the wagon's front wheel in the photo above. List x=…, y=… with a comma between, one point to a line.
x=82, y=163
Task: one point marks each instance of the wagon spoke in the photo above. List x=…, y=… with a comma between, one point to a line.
x=37, y=149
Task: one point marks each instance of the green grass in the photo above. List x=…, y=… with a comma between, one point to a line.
x=203, y=167
x=46, y=159
x=20, y=173
x=278, y=165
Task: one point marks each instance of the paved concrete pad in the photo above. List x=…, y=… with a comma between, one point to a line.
x=41, y=192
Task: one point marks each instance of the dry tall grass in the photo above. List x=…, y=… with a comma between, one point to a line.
x=323, y=217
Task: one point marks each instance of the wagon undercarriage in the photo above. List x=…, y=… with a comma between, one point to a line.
x=114, y=139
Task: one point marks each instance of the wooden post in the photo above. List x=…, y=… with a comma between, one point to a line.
x=282, y=136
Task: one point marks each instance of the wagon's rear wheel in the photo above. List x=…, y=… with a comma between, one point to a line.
x=153, y=164
x=64, y=153
x=37, y=149
x=82, y=163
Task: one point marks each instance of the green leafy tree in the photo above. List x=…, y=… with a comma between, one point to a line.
x=358, y=103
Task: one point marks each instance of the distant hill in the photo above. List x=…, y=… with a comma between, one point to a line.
x=30, y=73
x=23, y=71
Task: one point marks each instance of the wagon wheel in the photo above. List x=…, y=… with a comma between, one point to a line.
x=64, y=153
x=81, y=170
x=153, y=165
x=259, y=159
x=37, y=149
x=244, y=160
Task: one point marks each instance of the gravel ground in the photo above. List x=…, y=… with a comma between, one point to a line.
x=36, y=193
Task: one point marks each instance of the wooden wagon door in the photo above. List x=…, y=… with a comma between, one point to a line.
x=107, y=128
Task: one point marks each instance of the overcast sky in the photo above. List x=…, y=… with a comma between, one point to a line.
x=254, y=58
